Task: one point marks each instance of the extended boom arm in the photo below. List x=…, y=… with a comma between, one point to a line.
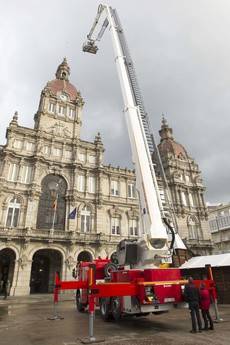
x=139, y=132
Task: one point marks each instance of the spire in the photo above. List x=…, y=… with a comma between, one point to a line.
x=165, y=131
x=164, y=122
x=14, y=121
x=63, y=71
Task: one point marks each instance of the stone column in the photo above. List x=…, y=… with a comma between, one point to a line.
x=22, y=272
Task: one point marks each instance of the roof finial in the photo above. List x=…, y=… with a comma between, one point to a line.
x=15, y=118
x=97, y=139
x=164, y=122
x=63, y=70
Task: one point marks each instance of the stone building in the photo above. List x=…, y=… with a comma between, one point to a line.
x=187, y=193
x=59, y=203
x=219, y=222
x=48, y=173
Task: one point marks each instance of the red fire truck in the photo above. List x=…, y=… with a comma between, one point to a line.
x=137, y=284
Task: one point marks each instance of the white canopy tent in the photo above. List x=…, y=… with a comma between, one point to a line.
x=218, y=260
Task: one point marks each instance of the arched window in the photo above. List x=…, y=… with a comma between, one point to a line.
x=86, y=219
x=52, y=203
x=193, y=228
x=13, y=213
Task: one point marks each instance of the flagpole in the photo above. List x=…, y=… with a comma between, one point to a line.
x=54, y=214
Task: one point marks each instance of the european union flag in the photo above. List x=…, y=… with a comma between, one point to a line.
x=72, y=214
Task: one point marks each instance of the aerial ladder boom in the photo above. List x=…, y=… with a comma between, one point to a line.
x=155, y=242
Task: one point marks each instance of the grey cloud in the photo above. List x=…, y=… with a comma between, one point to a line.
x=181, y=52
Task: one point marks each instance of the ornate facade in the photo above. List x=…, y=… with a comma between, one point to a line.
x=187, y=193
x=48, y=173
x=59, y=203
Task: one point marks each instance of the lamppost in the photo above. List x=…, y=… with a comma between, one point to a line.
x=53, y=187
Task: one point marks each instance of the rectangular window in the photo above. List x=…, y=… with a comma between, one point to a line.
x=115, y=226
x=92, y=184
x=133, y=227
x=68, y=154
x=187, y=179
x=46, y=150
x=30, y=146
x=131, y=190
x=9, y=217
x=13, y=172
x=183, y=196
x=92, y=159
x=85, y=223
x=191, y=200
x=12, y=217
x=15, y=218
x=26, y=174
x=114, y=188
x=51, y=107
x=81, y=183
x=81, y=157
x=17, y=144
x=61, y=110
x=57, y=151
x=71, y=113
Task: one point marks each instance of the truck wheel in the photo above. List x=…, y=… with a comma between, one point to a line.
x=105, y=309
x=116, y=308
x=80, y=306
x=110, y=267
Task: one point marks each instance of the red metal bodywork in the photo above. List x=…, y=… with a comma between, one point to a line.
x=164, y=284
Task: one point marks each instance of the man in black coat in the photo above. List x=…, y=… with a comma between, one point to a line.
x=191, y=296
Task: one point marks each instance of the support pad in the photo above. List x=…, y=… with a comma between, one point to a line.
x=55, y=317
x=91, y=340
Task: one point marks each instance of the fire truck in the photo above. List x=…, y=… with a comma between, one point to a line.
x=136, y=284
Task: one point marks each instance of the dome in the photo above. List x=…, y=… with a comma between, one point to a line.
x=168, y=144
x=61, y=83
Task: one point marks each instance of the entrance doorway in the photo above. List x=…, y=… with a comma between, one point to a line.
x=7, y=263
x=84, y=256
x=45, y=263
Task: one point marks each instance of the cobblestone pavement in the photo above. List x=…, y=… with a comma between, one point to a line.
x=23, y=321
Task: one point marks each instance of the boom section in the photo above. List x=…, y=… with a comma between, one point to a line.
x=138, y=129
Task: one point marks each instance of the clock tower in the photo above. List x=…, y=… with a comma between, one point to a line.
x=60, y=106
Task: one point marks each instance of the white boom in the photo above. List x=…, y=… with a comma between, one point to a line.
x=155, y=242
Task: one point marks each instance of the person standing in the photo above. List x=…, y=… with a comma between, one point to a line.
x=192, y=297
x=205, y=301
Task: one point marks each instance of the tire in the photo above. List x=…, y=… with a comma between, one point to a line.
x=80, y=306
x=110, y=267
x=105, y=309
x=116, y=308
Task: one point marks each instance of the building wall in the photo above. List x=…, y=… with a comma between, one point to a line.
x=219, y=223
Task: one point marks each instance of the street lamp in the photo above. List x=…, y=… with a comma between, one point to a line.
x=53, y=188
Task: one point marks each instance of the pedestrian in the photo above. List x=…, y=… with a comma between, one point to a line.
x=191, y=296
x=205, y=301
x=4, y=289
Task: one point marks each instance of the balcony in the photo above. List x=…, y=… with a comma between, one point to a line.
x=198, y=243
x=45, y=235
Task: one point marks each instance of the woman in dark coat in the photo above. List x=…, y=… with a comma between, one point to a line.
x=205, y=301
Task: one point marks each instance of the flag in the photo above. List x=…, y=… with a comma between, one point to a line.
x=72, y=214
x=54, y=205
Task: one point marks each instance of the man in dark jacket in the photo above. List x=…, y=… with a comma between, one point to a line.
x=191, y=296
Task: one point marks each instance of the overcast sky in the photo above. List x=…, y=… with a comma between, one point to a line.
x=181, y=52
